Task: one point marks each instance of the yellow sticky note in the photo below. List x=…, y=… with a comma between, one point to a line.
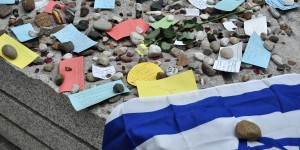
x=182, y=82
x=143, y=72
x=25, y=55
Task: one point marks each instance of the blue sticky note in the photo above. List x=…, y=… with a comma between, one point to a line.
x=7, y=1
x=70, y=33
x=94, y=95
x=22, y=32
x=104, y=4
x=228, y=5
x=255, y=53
x=280, y=4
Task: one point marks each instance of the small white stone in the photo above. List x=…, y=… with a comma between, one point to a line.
x=172, y=70
x=112, y=58
x=138, y=7
x=95, y=58
x=199, y=56
x=224, y=41
x=67, y=56
x=200, y=35
x=139, y=30
x=288, y=2
x=277, y=59
x=136, y=38
x=117, y=76
x=170, y=18
x=157, y=62
x=154, y=51
x=156, y=13
x=204, y=16
x=75, y=88
x=172, y=10
x=50, y=55
x=117, y=18
x=208, y=60
x=107, y=53
x=211, y=2
x=96, y=16
x=105, y=39
x=43, y=47
x=226, y=52
x=33, y=33
x=151, y=19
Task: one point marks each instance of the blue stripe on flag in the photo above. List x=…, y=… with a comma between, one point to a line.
x=130, y=130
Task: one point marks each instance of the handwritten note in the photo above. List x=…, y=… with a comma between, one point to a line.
x=228, y=5
x=124, y=28
x=22, y=32
x=233, y=64
x=191, y=12
x=104, y=4
x=178, y=42
x=229, y=26
x=51, y=4
x=143, y=72
x=280, y=4
x=179, y=83
x=94, y=95
x=75, y=76
x=70, y=33
x=200, y=4
x=103, y=73
x=259, y=25
x=163, y=23
x=25, y=55
x=255, y=53
x=7, y=1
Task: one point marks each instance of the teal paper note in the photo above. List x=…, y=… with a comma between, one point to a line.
x=280, y=4
x=104, y=4
x=7, y=1
x=22, y=32
x=228, y=5
x=163, y=23
x=94, y=95
x=255, y=53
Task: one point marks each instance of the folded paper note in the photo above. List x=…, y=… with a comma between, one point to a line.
x=94, y=95
x=229, y=26
x=179, y=83
x=228, y=5
x=280, y=4
x=192, y=12
x=25, y=55
x=255, y=53
x=200, y=4
x=75, y=76
x=259, y=25
x=163, y=23
x=103, y=73
x=104, y=4
x=22, y=32
x=7, y=1
x=51, y=4
x=70, y=33
x=124, y=28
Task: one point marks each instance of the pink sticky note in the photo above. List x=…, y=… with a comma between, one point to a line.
x=51, y=4
x=124, y=29
x=75, y=76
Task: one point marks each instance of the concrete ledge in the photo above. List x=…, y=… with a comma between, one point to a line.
x=6, y=145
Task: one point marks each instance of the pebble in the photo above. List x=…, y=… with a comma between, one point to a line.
x=208, y=70
x=75, y=88
x=155, y=13
x=105, y=39
x=84, y=11
x=200, y=35
x=234, y=40
x=103, y=60
x=43, y=47
x=94, y=35
x=90, y=78
x=46, y=40
x=48, y=67
x=246, y=130
x=224, y=41
x=43, y=20
x=28, y=5
x=274, y=12
x=277, y=59
x=117, y=76
x=199, y=56
x=226, y=52
x=67, y=56
x=96, y=16
x=5, y=10
x=156, y=5
x=208, y=60
x=204, y=16
x=154, y=51
x=211, y=37
x=138, y=7
x=33, y=33
x=160, y=75
x=211, y=2
x=171, y=70
x=118, y=88
x=126, y=59
x=263, y=36
x=269, y=45
x=274, y=38
x=59, y=79
x=193, y=66
x=207, y=52
x=66, y=47
x=82, y=25
x=9, y=51
x=288, y=2
x=247, y=15
x=69, y=16
x=139, y=30
x=102, y=25
x=95, y=58
x=177, y=5
x=176, y=52
x=170, y=18
x=183, y=60
x=246, y=77
x=50, y=55
x=151, y=19
x=292, y=63
x=215, y=46
x=117, y=18
x=136, y=38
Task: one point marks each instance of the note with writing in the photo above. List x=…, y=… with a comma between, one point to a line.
x=228, y=5
x=144, y=72
x=163, y=23
x=22, y=32
x=95, y=95
x=24, y=55
x=280, y=4
x=104, y=4
x=103, y=73
x=255, y=53
x=75, y=76
x=70, y=33
x=229, y=26
x=191, y=12
x=200, y=4
x=233, y=64
x=7, y=1
x=51, y=4
x=179, y=83
x=259, y=25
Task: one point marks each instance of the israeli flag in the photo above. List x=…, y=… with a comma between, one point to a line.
x=206, y=119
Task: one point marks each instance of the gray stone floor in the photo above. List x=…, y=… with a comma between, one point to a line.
x=6, y=145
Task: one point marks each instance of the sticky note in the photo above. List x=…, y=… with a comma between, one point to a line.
x=200, y=4
x=7, y=1
x=124, y=28
x=228, y=5
x=75, y=76
x=255, y=53
x=22, y=32
x=229, y=26
x=104, y=4
x=51, y=4
x=233, y=64
x=70, y=33
x=25, y=55
x=163, y=23
x=280, y=4
x=259, y=25
x=143, y=72
x=94, y=95
x=191, y=12
x=179, y=83
x=103, y=72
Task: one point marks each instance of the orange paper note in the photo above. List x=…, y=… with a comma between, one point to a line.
x=51, y=4
x=124, y=29
x=75, y=76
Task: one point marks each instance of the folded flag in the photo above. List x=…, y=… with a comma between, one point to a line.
x=206, y=119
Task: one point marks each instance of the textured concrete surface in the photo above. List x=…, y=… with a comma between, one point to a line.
x=6, y=145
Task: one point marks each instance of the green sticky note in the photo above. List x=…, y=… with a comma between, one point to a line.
x=164, y=23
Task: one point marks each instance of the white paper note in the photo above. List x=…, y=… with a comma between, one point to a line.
x=191, y=12
x=258, y=25
x=201, y=4
x=178, y=43
x=103, y=73
x=229, y=25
